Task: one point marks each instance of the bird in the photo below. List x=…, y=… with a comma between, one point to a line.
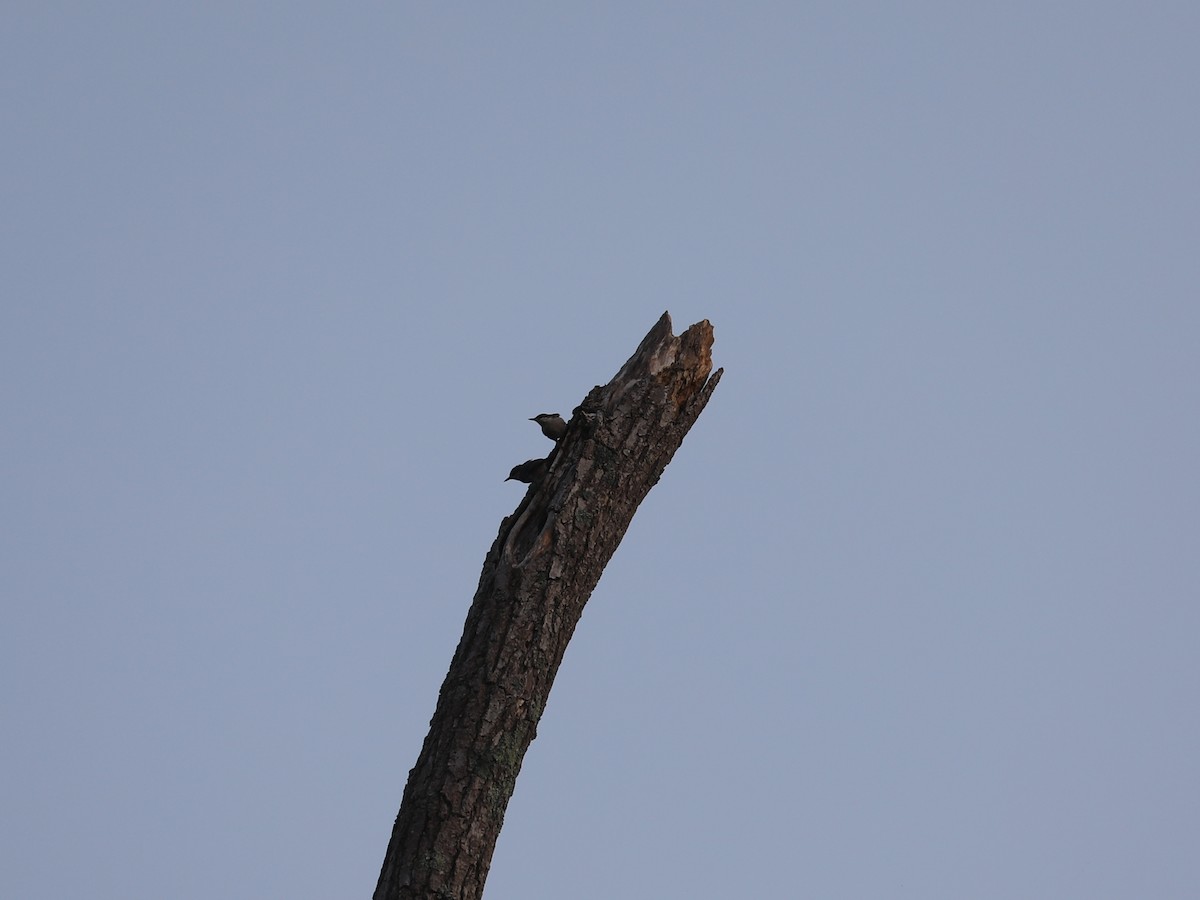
x=528, y=472
x=552, y=424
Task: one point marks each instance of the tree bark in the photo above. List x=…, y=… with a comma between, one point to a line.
x=536, y=578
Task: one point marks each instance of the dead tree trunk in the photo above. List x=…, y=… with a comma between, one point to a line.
x=536, y=579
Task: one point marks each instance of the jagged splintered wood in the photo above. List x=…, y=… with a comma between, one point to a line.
x=537, y=577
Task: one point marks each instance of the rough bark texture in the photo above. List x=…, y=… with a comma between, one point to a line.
x=536, y=579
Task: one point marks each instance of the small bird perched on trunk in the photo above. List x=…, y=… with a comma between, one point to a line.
x=552, y=424
x=528, y=472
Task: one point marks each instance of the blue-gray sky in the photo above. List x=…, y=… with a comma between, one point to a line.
x=913, y=613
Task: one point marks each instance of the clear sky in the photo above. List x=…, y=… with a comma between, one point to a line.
x=913, y=614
